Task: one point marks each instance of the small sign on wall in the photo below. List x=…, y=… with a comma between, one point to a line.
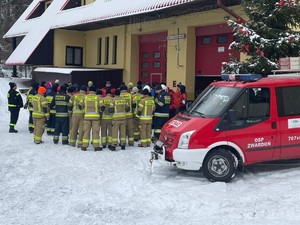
x=174, y=83
x=221, y=49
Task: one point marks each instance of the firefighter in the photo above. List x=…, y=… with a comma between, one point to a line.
x=162, y=110
x=40, y=114
x=33, y=91
x=106, y=119
x=77, y=115
x=91, y=107
x=136, y=97
x=15, y=102
x=118, y=108
x=51, y=121
x=129, y=115
x=60, y=104
x=145, y=112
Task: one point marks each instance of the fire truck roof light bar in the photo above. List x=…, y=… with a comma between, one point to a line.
x=241, y=77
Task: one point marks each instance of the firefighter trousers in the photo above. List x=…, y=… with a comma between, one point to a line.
x=146, y=128
x=130, y=130
x=106, y=132
x=30, y=122
x=51, y=124
x=39, y=127
x=14, y=116
x=76, y=128
x=118, y=129
x=137, y=128
x=158, y=123
x=89, y=125
x=61, y=126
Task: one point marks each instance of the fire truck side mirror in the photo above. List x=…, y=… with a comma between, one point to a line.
x=232, y=115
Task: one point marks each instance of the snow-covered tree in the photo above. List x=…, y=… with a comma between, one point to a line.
x=270, y=33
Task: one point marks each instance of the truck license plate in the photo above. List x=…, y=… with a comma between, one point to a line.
x=159, y=143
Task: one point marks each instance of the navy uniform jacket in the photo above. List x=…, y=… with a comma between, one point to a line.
x=15, y=100
x=60, y=104
x=162, y=104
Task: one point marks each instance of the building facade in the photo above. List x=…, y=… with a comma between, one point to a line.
x=185, y=41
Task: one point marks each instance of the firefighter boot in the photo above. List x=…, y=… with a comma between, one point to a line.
x=112, y=148
x=12, y=129
x=65, y=142
x=98, y=149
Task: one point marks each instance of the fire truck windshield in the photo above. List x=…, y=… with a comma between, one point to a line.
x=213, y=101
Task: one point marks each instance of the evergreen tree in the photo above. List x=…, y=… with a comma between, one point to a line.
x=269, y=34
x=10, y=11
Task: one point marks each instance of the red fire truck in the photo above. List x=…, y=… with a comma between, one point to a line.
x=241, y=120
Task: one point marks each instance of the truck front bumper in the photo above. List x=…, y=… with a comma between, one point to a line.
x=186, y=159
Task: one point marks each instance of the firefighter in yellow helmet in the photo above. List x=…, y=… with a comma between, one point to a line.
x=40, y=114
x=118, y=108
x=145, y=112
x=77, y=117
x=91, y=106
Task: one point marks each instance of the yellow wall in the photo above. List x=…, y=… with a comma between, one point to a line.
x=63, y=38
x=47, y=3
x=87, y=2
x=181, y=53
x=92, y=47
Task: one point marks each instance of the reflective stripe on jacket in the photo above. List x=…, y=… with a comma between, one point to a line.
x=146, y=108
x=75, y=101
x=60, y=104
x=91, y=106
x=39, y=106
x=106, y=101
x=128, y=97
x=14, y=99
x=119, y=105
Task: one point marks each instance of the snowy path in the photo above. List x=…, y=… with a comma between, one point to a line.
x=55, y=184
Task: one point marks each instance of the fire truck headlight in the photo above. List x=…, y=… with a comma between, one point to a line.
x=185, y=139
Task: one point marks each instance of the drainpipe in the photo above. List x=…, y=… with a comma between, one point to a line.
x=229, y=11
x=14, y=47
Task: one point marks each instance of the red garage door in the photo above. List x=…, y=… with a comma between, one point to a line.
x=212, y=49
x=153, y=58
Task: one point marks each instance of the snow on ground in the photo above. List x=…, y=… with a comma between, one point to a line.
x=55, y=184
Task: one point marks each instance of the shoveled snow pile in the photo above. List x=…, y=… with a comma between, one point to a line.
x=56, y=184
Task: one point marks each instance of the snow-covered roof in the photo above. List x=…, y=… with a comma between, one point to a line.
x=63, y=70
x=54, y=17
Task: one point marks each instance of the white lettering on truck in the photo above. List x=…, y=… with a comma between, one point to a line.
x=259, y=142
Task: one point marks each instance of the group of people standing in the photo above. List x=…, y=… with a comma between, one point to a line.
x=114, y=117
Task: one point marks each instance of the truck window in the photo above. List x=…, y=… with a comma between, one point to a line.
x=251, y=107
x=214, y=101
x=288, y=101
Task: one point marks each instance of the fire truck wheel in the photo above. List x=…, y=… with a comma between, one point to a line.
x=220, y=165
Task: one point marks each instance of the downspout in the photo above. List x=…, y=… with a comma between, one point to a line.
x=14, y=39
x=229, y=11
